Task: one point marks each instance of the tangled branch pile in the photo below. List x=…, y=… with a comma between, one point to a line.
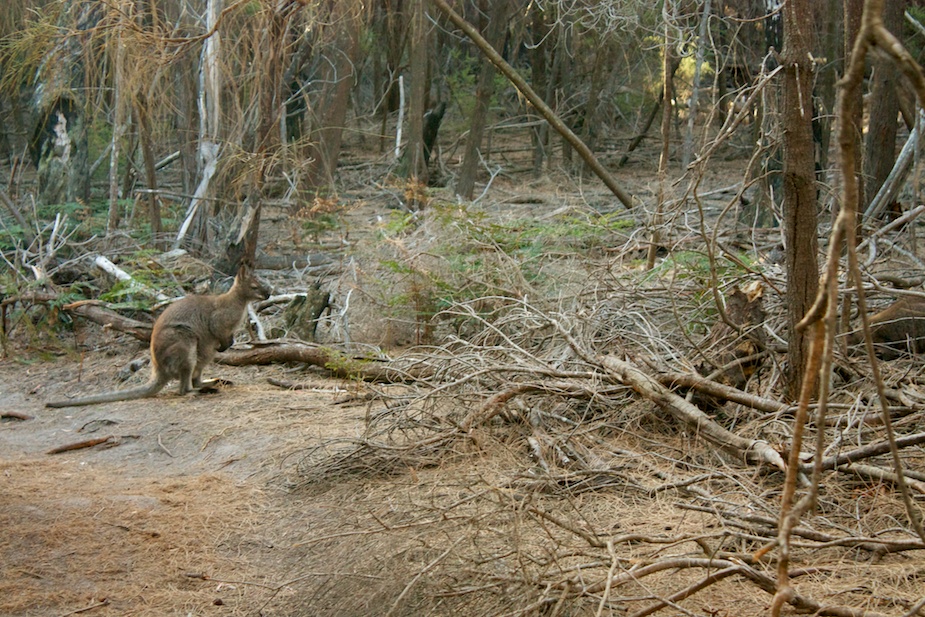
x=552, y=472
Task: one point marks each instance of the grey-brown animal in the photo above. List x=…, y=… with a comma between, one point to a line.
x=899, y=329
x=186, y=337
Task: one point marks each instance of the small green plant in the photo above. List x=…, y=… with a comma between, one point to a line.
x=461, y=255
x=321, y=216
x=343, y=365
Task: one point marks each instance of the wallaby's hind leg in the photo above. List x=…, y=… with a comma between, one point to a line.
x=190, y=371
x=205, y=353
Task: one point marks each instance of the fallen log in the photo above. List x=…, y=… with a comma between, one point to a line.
x=338, y=363
x=91, y=310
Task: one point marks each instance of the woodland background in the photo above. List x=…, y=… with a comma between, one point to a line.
x=579, y=255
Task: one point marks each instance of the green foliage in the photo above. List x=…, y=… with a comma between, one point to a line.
x=462, y=79
x=128, y=295
x=319, y=224
x=80, y=220
x=694, y=265
x=479, y=257
x=342, y=364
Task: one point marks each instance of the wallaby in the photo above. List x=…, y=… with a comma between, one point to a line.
x=898, y=329
x=185, y=338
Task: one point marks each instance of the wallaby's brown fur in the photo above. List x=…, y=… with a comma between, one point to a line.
x=896, y=330
x=185, y=339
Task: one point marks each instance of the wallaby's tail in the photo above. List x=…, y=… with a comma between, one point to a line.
x=153, y=387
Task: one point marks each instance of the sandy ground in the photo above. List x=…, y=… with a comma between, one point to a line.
x=188, y=492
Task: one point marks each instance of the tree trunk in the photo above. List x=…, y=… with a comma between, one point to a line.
x=800, y=218
x=325, y=142
x=687, y=150
x=880, y=145
x=829, y=47
x=59, y=143
x=415, y=165
x=538, y=70
x=852, y=21
x=187, y=120
x=494, y=33
x=147, y=149
x=118, y=129
x=655, y=223
x=562, y=82
x=210, y=108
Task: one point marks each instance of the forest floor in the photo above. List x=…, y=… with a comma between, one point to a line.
x=196, y=505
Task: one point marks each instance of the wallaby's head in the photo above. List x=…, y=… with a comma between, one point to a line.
x=247, y=283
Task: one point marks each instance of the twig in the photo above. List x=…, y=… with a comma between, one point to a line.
x=100, y=604
x=89, y=443
x=424, y=571
x=14, y=415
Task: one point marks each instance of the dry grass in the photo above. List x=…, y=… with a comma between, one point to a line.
x=76, y=535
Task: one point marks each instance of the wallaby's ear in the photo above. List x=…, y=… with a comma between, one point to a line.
x=245, y=270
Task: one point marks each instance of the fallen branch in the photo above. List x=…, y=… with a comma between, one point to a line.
x=113, y=270
x=88, y=443
x=868, y=451
x=761, y=580
x=883, y=475
x=14, y=415
x=340, y=365
x=752, y=450
x=91, y=310
x=718, y=390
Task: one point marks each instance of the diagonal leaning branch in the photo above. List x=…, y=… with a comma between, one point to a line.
x=548, y=114
x=752, y=450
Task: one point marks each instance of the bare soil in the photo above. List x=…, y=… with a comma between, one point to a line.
x=185, y=512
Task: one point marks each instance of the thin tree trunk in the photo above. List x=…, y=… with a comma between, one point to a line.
x=147, y=149
x=668, y=13
x=800, y=218
x=326, y=139
x=880, y=147
x=827, y=13
x=465, y=185
x=187, y=120
x=687, y=151
x=118, y=129
x=852, y=20
x=209, y=121
x=414, y=148
x=538, y=71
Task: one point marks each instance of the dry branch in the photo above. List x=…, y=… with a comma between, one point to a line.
x=870, y=450
x=524, y=88
x=764, y=527
x=750, y=449
x=91, y=310
x=718, y=390
x=14, y=415
x=762, y=581
x=340, y=365
x=80, y=445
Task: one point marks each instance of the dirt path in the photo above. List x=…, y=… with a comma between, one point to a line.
x=191, y=496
